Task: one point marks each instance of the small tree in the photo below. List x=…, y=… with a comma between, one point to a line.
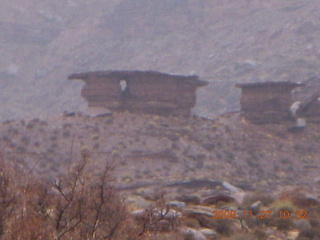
x=86, y=206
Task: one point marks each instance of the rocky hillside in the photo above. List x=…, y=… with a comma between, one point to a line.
x=151, y=149
x=42, y=42
x=173, y=173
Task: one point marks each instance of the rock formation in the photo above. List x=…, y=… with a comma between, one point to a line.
x=267, y=102
x=140, y=91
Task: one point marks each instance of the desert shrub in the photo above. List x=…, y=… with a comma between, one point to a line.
x=7, y=122
x=5, y=138
x=223, y=226
x=265, y=198
x=108, y=121
x=66, y=134
x=260, y=234
x=156, y=219
x=44, y=123
x=199, y=164
x=282, y=223
x=95, y=136
x=191, y=222
x=13, y=131
x=35, y=120
x=54, y=137
x=253, y=163
x=67, y=125
x=96, y=146
x=51, y=150
x=244, y=236
x=21, y=149
x=283, y=205
x=311, y=233
x=306, y=234
x=7, y=197
x=25, y=140
x=115, y=153
x=30, y=125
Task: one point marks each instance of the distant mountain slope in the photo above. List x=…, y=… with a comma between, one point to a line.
x=42, y=42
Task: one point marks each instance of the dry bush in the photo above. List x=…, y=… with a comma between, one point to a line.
x=7, y=197
x=157, y=219
x=86, y=206
x=20, y=213
x=79, y=205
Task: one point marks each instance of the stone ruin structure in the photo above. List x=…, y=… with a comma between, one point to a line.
x=140, y=91
x=267, y=102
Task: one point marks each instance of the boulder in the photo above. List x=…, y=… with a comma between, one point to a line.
x=208, y=232
x=156, y=214
x=307, y=200
x=202, y=214
x=231, y=188
x=237, y=193
x=137, y=202
x=96, y=112
x=192, y=234
x=218, y=198
x=255, y=207
x=69, y=114
x=176, y=204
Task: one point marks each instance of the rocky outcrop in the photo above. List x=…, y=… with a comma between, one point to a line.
x=140, y=91
x=309, y=100
x=266, y=102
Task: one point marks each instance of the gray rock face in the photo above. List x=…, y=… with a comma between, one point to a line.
x=98, y=112
x=176, y=204
x=202, y=214
x=192, y=234
x=225, y=198
x=191, y=199
x=197, y=183
x=208, y=232
x=231, y=188
x=255, y=207
x=139, y=202
x=312, y=199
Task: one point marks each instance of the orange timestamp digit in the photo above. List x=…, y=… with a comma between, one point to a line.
x=263, y=214
x=224, y=214
x=299, y=214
